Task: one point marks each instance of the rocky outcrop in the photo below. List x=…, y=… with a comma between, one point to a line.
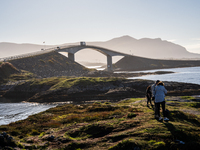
x=97, y=73
x=25, y=90
x=6, y=69
x=6, y=141
x=112, y=90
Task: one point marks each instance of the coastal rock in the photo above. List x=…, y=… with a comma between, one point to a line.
x=6, y=140
x=24, y=90
x=87, y=89
x=117, y=90
x=48, y=138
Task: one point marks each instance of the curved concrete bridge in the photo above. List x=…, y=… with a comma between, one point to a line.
x=71, y=50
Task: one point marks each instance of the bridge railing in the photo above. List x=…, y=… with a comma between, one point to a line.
x=45, y=51
x=27, y=54
x=33, y=53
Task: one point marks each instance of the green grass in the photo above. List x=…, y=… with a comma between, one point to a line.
x=125, y=144
x=57, y=83
x=187, y=97
x=48, y=81
x=130, y=101
x=82, y=81
x=193, y=104
x=24, y=75
x=42, y=61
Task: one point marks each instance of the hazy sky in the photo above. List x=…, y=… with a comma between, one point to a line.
x=65, y=21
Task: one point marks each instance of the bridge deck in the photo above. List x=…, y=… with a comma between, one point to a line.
x=58, y=49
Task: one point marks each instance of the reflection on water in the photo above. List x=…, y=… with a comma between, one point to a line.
x=96, y=67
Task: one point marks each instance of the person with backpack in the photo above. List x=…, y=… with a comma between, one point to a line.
x=149, y=95
x=159, y=94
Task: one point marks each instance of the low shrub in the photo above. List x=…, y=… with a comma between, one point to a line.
x=195, y=105
x=52, y=124
x=42, y=61
x=131, y=115
x=97, y=103
x=92, y=130
x=41, y=134
x=75, y=146
x=15, y=133
x=125, y=145
x=107, y=103
x=34, y=132
x=51, y=61
x=187, y=97
x=97, y=108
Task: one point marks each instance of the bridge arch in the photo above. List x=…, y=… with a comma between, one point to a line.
x=75, y=48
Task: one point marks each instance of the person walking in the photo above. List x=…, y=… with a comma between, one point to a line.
x=153, y=89
x=149, y=95
x=159, y=94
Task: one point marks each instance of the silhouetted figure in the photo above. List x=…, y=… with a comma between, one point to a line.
x=149, y=95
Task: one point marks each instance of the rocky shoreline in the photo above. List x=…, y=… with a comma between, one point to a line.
x=97, y=73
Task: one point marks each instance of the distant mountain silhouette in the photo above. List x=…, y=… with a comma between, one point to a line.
x=145, y=47
x=149, y=48
x=11, y=49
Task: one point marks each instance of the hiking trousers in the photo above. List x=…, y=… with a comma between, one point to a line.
x=157, y=108
x=149, y=100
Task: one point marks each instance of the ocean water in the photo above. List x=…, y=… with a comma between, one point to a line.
x=11, y=112
x=186, y=75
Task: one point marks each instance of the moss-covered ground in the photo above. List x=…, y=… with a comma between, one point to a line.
x=128, y=124
x=9, y=73
x=62, y=82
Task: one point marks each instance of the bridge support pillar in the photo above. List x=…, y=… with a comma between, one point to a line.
x=109, y=63
x=71, y=56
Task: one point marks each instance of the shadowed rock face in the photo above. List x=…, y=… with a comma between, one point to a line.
x=135, y=63
x=6, y=140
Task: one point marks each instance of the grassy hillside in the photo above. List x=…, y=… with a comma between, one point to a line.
x=10, y=73
x=127, y=124
x=6, y=69
x=50, y=64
